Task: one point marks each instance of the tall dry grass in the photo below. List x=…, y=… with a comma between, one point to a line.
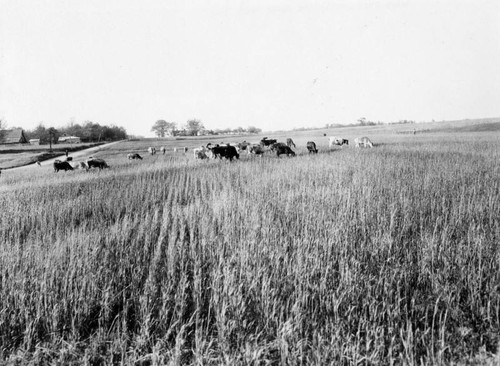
x=379, y=256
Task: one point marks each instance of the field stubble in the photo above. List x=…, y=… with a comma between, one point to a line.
x=352, y=256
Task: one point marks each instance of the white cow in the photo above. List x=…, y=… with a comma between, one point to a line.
x=255, y=149
x=200, y=152
x=152, y=150
x=163, y=150
x=362, y=142
x=335, y=140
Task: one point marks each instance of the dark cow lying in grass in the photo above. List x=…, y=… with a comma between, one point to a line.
x=62, y=165
x=311, y=147
x=97, y=163
x=228, y=152
x=134, y=156
x=282, y=149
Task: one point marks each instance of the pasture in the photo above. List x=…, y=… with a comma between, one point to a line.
x=348, y=256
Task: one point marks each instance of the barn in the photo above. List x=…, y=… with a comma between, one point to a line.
x=14, y=136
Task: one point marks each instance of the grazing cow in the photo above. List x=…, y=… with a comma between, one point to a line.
x=283, y=149
x=163, y=150
x=267, y=142
x=243, y=145
x=362, y=142
x=185, y=149
x=255, y=149
x=311, y=147
x=200, y=153
x=97, y=163
x=276, y=145
x=334, y=140
x=290, y=143
x=152, y=150
x=134, y=156
x=228, y=152
x=62, y=165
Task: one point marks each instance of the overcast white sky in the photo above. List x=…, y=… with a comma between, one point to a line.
x=271, y=64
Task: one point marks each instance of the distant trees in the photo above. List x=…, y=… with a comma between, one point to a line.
x=252, y=129
x=193, y=126
x=41, y=132
x=3, y=126
x=161, y=128
x=87, y=132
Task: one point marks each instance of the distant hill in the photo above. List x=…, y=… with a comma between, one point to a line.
x=464, y=125
x=472, y=126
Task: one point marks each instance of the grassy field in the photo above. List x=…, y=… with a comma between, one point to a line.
x=351, y=256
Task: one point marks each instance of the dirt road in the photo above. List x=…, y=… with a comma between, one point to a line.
x=74, y=155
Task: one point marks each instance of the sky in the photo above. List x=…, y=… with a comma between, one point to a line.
x=273, y=64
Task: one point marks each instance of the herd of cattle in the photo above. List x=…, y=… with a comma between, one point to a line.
x=226, y=151
x=233, y=150
x=89, y=164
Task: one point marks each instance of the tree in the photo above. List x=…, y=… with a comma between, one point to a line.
x=2, y=127
x=362, y=121
x=252, y=129
x=91, y=131
x=193, y=126
x=162, y=128
x=40, y=132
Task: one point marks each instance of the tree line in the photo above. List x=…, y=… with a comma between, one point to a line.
x=87, y=132
x=194, y=127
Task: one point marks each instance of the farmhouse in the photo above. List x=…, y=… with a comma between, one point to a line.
x=14, y=136
x=69, y=139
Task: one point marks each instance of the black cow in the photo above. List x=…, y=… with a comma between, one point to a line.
x=228, y=152
x=267, y=142
x=311, y=147
x=134, y=156
x=62, y=165
x=276, y=145
x=97, y=163
x=290, y=143
x=283, y=149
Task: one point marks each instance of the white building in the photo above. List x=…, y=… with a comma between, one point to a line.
x=69, y=140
